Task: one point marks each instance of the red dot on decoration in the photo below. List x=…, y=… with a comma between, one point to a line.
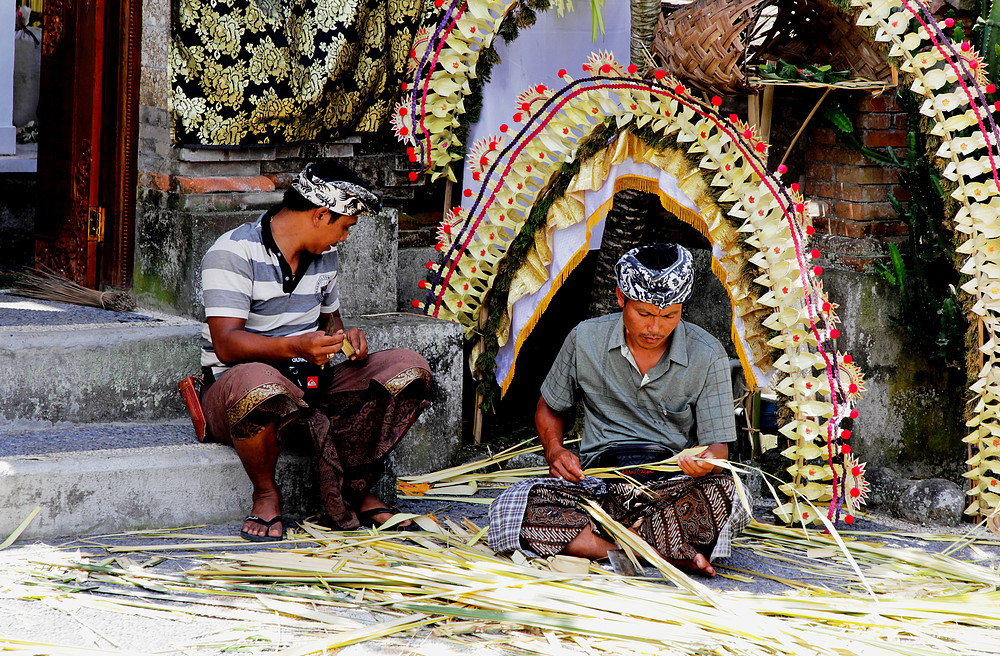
x=846, y=434
x=834, y=333
x=991, y=88
x=412, y=176
x=856, y=471
x=411, y=151
x=416, y=303
x=782, y=169
x=430, y=265
x=403, y=111
x=483, y=161
x=966, y=46
x=845, y=448
x=413, y=53
x=438, y=3
x=848, y=359
x=467, y=193
x=973, y=64
x=852, y=388
x=525, y=106
x=659, y=74
x=504, y=127
x=606, y=69
x=854, y=414
x=476, y=176
x=996, y=105
x=447, y=229
x=747, y=134
x=459, y=304
x=810, y=230
x=404, y=131
x=632, y=69
x=805, y=515
x=413, y=157
x=949, y=22
x=406, y=87
x=562, y=72
x=817, y=270
x=541, y=155
x=473, y=269
x=439, y=247
x=761, y=147
x=541, y=88
x=814, y=253
x=800, y=208
x=795, y=186
x=517, y=117
x=528, y=169
x=422, y=284
x=734, y=118
x=716, y=101
x=493, y=145
x=827, y=306
x=849, y=519
x=855, y=492
x=679, y=88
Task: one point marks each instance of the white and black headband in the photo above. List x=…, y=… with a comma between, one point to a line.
x=339, y=196
x=661, y=274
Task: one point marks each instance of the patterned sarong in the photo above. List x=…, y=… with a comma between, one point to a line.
x=354, y=422
x=679, y=517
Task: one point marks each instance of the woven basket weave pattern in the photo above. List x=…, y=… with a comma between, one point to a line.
x=710, y=43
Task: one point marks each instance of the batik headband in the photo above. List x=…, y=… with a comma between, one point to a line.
x=659, y=286
x=339, y=196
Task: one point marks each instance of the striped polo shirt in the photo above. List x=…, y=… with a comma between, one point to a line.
x=245, y=276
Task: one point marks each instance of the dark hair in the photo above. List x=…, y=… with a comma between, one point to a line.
x=327, y=170
x=657, y=256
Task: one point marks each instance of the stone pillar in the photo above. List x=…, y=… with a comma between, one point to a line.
x=8, y=134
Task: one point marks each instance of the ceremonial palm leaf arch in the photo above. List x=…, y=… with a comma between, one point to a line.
x=530, y=221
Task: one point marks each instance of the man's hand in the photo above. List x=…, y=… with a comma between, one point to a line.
x=563, y=463
x=698, y=468
x=357, y=339
x=317, y=347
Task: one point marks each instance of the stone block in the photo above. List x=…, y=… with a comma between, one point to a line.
x=412, y=269
x=95, y=373
x=224, y=183
x=219, y=155
x=368, y=265
x=227, y=202
x=235, y=169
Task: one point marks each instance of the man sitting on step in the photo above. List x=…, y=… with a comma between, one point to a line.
x=651, y=386
x=273, y=323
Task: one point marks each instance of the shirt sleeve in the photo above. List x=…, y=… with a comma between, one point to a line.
x=714, y=416
x=559, y=386
x=227, y=281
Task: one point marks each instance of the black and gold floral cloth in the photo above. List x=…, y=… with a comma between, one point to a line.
x=280, y=71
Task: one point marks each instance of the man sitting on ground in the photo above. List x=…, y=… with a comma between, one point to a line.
x=273, y=321
x=651, y=386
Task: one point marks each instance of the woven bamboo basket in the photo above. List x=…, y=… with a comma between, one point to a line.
x=714, y=44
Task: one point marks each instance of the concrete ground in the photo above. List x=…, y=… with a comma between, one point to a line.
x=196, y=624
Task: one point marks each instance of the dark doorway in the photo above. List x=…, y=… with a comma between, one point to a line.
x=88, y=116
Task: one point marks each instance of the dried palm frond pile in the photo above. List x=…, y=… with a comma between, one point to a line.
x=48, y=285
x=443, y=584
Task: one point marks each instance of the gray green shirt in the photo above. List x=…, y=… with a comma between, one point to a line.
x=684, y=400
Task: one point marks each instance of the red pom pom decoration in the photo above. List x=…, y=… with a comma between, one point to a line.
x=810, y=230
x=439, y=247
x=846, y=434
x=467, y=193
x=412, y=176
x=438, y=3
x=849, y=519
x=817, y=270
x=795, y=186
x=855, y=492
x=852, y=388
x=949, y=22
x=659, y=74
x=606, y=69
x=854, y=414
x=562, y=72
x=679, y=88
x=517, y=117
x=716, y=101
x=504, y=127
x=834, y=333
x=848, y=359
x=416, y=303
x=782, y=170
x=814, y=253
x=856, y=471
x=761, y=147
x=845, y=448
x=827, y=306
x=991, y=88
x=430, y=265
x=800, y=207
x=406, y=87
x=966, y=46
x=422, y=284
x=632, y=69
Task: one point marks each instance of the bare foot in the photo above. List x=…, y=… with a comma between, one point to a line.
x=267, y=506
x=369, y=501
x=699, y=565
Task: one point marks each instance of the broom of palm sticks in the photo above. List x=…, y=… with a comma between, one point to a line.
x=47, y=285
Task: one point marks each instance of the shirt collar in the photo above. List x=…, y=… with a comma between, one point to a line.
x=677, y=352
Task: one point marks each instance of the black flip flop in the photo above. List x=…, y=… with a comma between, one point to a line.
x=267, y=537
x=367, y=519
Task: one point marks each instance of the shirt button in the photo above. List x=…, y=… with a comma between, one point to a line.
x=286, y=278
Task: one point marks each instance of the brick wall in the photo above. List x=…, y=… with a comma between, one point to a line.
x=856, y=220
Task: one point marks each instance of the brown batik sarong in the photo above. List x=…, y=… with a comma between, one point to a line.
x=680, y=518
x=354, y=421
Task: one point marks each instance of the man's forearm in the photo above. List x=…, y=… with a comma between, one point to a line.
x=551, y=427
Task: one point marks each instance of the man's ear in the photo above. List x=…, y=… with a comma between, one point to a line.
x=620, y=296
